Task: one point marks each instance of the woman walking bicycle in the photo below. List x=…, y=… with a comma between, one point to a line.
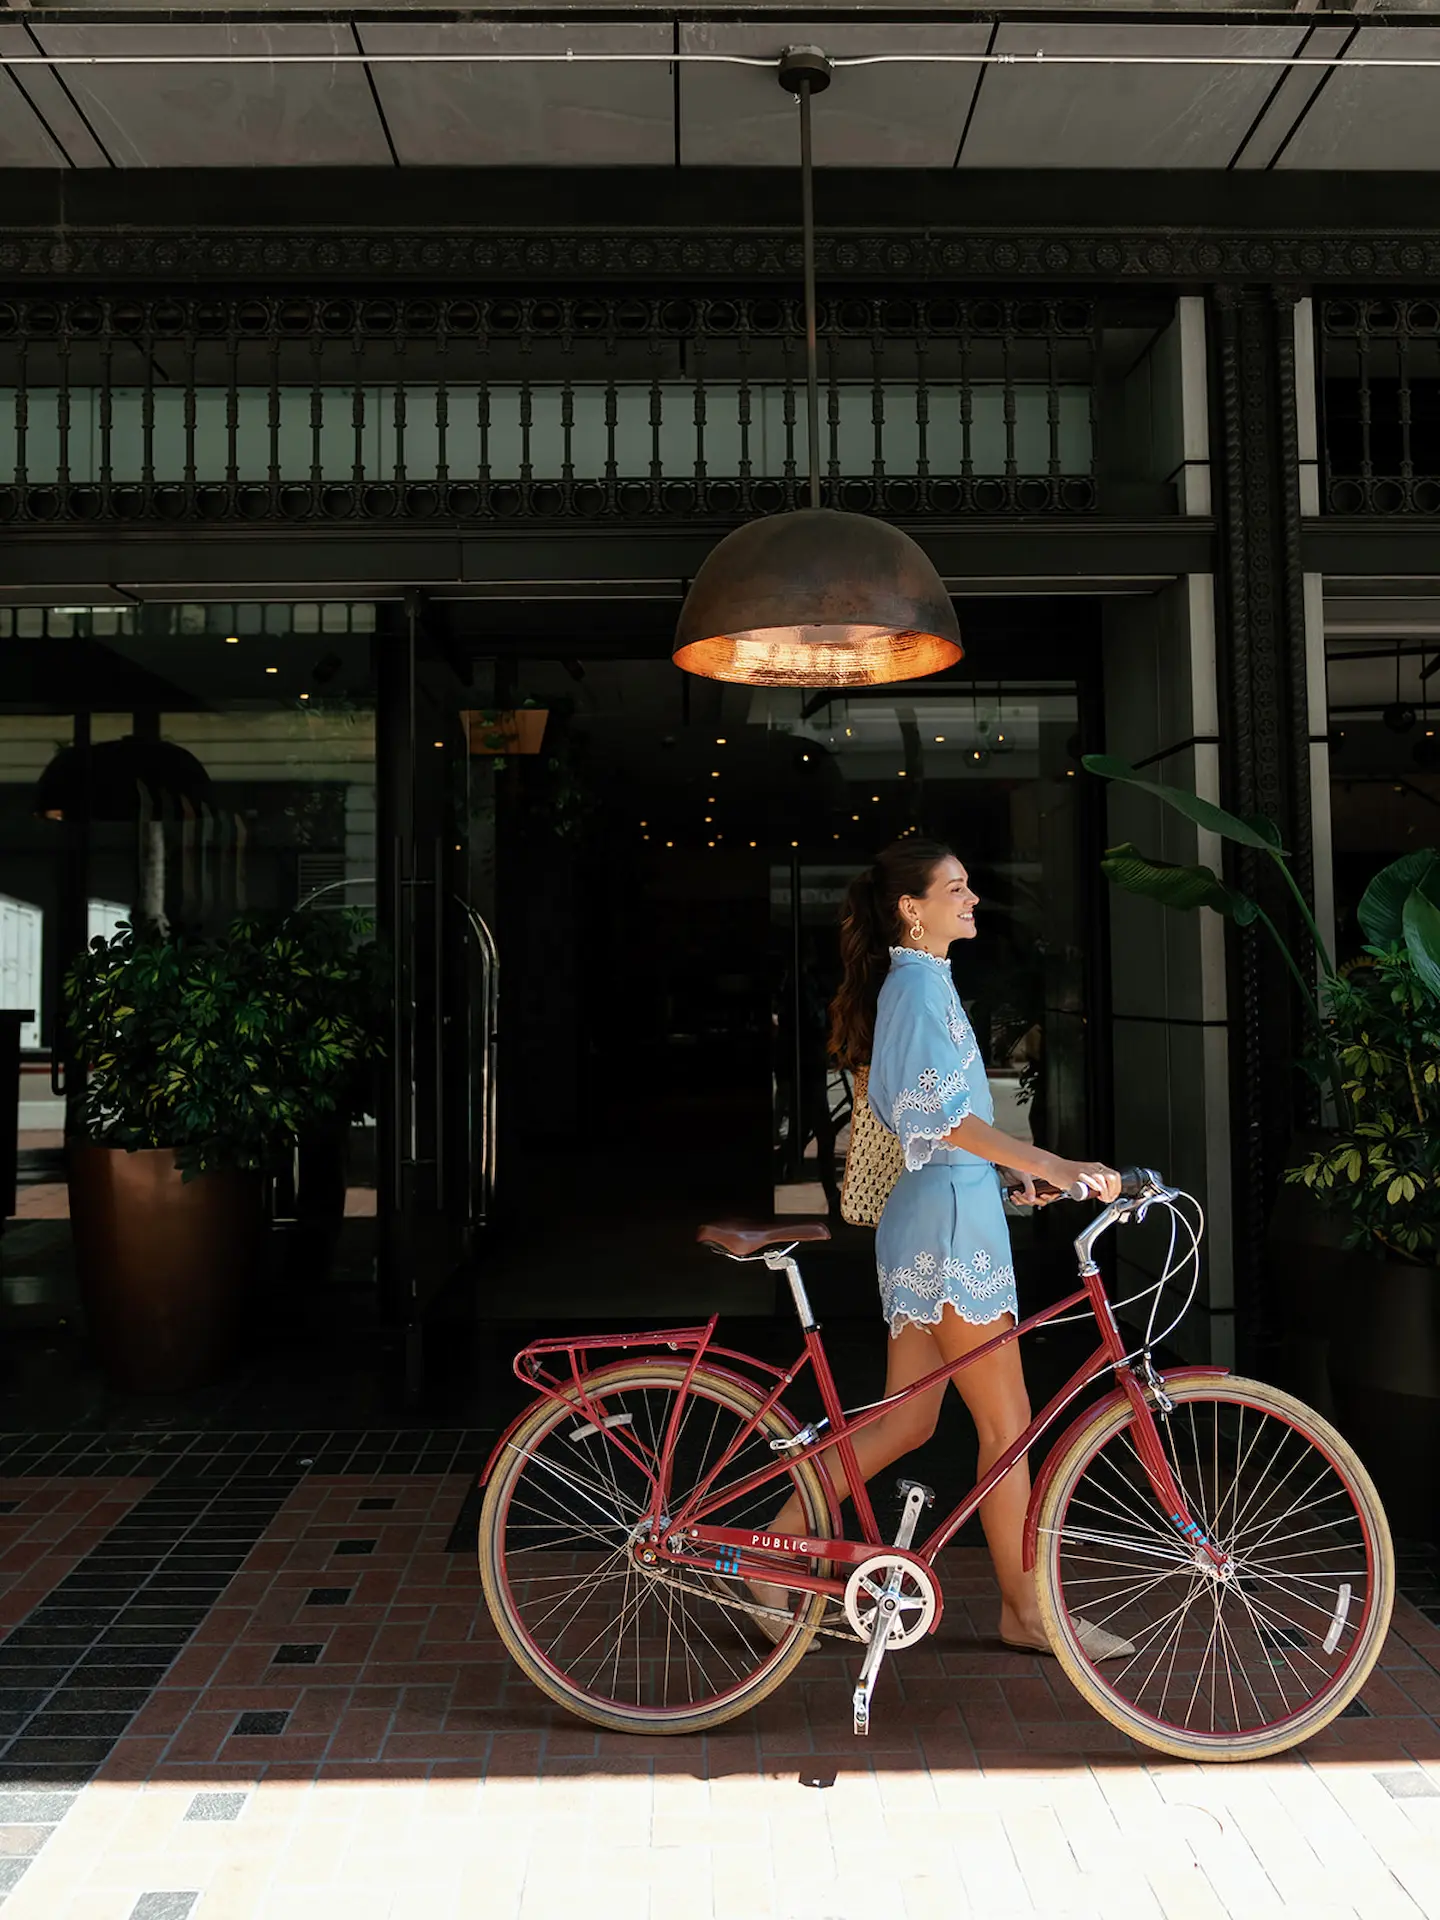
x=942, y=1247
x=1212, y=1568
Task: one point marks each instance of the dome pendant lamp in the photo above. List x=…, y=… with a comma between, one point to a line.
x=815, y=597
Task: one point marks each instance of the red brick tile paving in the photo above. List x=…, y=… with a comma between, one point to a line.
x=419, y=1777
x=55, y=1524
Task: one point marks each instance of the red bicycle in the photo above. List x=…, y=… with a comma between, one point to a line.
x=1220, y=1527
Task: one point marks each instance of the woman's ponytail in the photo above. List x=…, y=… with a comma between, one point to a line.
x=869, y=927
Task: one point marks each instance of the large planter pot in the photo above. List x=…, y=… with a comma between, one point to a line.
x=164, y=1263
x=1385, y=1372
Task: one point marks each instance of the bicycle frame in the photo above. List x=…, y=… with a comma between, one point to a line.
x=674, y=1537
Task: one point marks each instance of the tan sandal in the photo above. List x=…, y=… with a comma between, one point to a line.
x=1095, y=1643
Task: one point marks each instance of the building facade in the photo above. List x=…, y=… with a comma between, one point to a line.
x=352, y=395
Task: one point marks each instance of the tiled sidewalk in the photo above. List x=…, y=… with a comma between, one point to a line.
x=341, y=1735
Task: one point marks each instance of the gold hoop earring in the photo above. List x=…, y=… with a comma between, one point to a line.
x=917, y=932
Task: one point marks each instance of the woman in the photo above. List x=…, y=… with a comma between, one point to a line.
x=947, y=1283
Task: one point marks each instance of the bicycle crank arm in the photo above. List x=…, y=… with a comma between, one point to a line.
x=869, y=1673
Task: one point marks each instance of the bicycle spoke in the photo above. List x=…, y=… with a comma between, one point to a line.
x=622, y=1631
x=1283, y=1606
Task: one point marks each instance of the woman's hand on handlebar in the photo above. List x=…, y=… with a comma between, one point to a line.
x=1099, y=1180
x=1021, y=1189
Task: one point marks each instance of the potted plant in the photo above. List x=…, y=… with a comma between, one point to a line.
x=1362, y=1291
x=1377, y=1178
x=205, y=1057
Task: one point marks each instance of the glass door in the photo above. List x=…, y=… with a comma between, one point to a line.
x=223, y=760
x=992, y=770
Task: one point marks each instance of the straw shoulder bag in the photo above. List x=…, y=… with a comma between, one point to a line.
x=873, y=1164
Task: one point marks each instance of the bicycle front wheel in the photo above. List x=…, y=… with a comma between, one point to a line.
x=1253, y=1661
x=659, y=1649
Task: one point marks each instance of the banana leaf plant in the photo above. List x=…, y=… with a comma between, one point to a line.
x=1401, y=907
x=1376, y=1026
x=1186, y=888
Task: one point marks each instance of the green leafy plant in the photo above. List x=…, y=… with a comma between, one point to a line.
x=226, y=1049
x=1382, y=1170
x=1375, y=1027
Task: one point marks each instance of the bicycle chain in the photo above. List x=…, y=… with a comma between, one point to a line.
x=754, y=1609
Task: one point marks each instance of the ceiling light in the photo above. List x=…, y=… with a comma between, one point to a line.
x=901, y=774
x=939, y=739
x=720, y=743
x=232, y=639
x=815, y=597
x=272, y=669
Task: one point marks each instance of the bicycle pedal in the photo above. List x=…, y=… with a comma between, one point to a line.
x=906, y=1487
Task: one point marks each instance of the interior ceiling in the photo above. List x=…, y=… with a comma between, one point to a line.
x=658, y=115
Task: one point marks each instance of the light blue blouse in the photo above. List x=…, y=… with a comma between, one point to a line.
x=943, y=1239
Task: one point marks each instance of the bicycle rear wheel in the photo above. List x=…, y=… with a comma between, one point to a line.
x=1230, y=1668
x=663, y=1649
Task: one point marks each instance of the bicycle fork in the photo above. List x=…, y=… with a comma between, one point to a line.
x=887, y=1612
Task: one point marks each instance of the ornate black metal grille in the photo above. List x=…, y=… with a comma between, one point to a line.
x=313, y=409
x=1380, y=402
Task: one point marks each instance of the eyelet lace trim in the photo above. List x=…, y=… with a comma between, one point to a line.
x=903, y=1317
x=928, y=1278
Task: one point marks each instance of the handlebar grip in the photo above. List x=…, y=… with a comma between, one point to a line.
x=1045, y=1191
x=1135, y=1180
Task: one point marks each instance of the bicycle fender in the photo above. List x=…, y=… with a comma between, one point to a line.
x=1116, y=1397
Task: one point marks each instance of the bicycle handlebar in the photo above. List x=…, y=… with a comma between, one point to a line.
x=1135, y=1183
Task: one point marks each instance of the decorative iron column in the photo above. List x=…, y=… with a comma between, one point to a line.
x=1264, y=751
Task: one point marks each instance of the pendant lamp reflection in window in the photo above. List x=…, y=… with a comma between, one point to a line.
x=816, y=597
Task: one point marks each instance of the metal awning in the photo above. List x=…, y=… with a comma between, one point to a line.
x=1207, y=88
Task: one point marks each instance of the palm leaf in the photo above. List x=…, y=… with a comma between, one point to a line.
x=1420, y=921
x=1169, y=885
x=1381, y=912
x=1249, y=831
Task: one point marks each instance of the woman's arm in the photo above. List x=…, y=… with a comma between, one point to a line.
x=1004, y=1150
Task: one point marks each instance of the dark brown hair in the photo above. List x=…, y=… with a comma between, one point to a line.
x=869, y=927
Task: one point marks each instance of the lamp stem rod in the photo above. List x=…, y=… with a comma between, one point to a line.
x=812, y=348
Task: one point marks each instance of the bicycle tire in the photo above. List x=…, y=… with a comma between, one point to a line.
x=1285, y=1641
x=773, y=1663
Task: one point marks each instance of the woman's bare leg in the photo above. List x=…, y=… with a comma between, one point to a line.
x=912, y=1354
x=994, y=1391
